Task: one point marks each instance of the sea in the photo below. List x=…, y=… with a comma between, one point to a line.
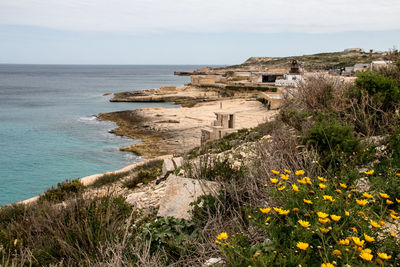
x=48, y=129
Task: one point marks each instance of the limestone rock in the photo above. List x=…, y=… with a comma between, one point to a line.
x=180, y=192
x=168, y=166
x=362, y=185
x=212, y=261
x=178, y=162
x=134, y=198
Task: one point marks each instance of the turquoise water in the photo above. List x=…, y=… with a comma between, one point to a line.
x=47, y=129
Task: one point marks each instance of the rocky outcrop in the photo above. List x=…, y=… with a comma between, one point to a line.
x=180, y=192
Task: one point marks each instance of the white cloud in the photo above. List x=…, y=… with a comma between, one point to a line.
x=196, y=16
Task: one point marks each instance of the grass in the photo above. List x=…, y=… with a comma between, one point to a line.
x=144, y=174
x=110, y=178
x=63, y=191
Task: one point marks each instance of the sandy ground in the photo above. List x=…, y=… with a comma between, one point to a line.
x=178, y=130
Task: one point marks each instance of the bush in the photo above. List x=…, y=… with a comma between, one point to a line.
x=73, y=234
x=384, y=90
x=63, y=191
x=314, y=221
x=175, y=237
x=332, y=138
x=109, y=178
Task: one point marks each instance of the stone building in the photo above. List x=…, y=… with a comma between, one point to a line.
x=222, y=126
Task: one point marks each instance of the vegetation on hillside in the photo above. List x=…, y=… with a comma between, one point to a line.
x=322, y=190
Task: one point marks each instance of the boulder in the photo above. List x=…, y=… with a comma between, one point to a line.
x=180, y=192
x=168, y=166
x=178, y=162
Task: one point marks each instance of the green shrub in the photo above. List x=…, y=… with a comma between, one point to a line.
x=384, y=90
x=63, y=191
x=329, y=217
x=176, y=237
x=332, y=139
x=109, y=178
x=71, y=234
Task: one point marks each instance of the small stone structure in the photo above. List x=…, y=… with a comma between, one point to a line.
x=204, y=79
x=290, y=80
x=222, y=126
x=354, y=50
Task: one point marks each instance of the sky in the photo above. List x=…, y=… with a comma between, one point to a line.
x=189, y=31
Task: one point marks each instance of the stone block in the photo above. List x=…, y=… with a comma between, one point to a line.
x=178, y=162
x=180, y=192
x=168, y=166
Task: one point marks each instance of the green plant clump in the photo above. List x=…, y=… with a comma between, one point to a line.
x=63, y=191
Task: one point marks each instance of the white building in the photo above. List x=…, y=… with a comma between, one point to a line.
x=289, y=80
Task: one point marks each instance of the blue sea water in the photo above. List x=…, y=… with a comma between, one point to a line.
x=47, y=129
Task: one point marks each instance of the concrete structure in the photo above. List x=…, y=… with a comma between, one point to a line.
x=348, y=71
x=356, y=50
x=294, y=67
x=274, y=100
x=204, y=79
x=222, y=126
x=290, y=80
x=375, y=65
x=269, y=77
x=361, y=67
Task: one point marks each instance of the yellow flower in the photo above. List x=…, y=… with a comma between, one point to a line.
x=335, y=217
x=343, y=242
x=304, y=223
x=381, y=223
x=389, y=202
x=337, y=252
x=353, y=229
x=326, y=220
x=322, y=215
x=222, y=236
x=322, y=186
x=369, y=238
x=273, y=180
x=327, y=264
x=398, y=200
x=384, y=256
x=357, y=241
x=366, y=256
x=295, y=210
x=295, y=188
x=349, y=196
x=287, y=171
x=302, y=181
x=266, y=210
x=329, y=198
x=324, y=230
x=394, y=216
x=347, y=213
x=299, y=172
x=384, y=195
x=338, y=191
x=307, y=201
x=281, y=211
x=281, y=188
x=285, y=177
x=308, y=180
x=343, y=185
x=322, y=179
x=366, y=195
x=362, y=202
x=275, y=172
x=369, y=172
x=267, y=220
x=302, y=245
x=393, y=234
x=375, y=224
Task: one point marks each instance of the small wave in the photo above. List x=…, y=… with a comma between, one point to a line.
x=87, y=118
